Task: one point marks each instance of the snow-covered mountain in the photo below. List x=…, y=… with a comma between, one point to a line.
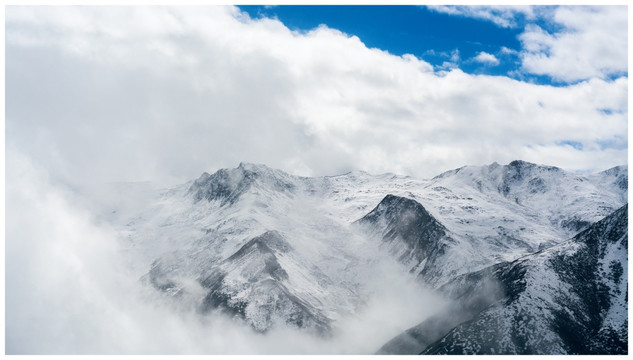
x=272, y=249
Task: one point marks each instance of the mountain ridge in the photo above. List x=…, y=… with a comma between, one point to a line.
x=273, y=249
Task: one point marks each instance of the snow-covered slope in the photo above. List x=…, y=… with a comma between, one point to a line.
x=271, y=248
x=568, y=299
x=552, y=201
x=259, y=244
x=614, y=180
x=502, y=212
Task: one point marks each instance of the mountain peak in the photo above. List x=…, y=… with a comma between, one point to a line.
x=619, y=172
x=410, y=232
x=521, y=163
x=246, y=166
x=227, y=185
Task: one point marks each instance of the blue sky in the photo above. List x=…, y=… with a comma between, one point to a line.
x=438, y=36
x=405, y=29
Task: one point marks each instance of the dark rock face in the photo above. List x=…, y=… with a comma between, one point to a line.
x=409, y=230
x=265, y=246
x=518, y=172
x=268, y=300
x=590, y=283
x=227, y=185
x=574, y=224
x=220, y=185
x=217, y=298
x=556, y=301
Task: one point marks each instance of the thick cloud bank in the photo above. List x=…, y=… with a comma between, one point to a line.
x=163, y=93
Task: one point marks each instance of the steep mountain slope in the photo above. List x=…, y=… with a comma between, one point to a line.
x=410, y=233
x=272, y=248
x=568, y=299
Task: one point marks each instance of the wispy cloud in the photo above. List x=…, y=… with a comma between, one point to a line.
x=487, y=59
x=504, y=16
x=507, y=51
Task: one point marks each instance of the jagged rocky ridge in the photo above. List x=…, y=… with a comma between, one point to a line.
x=273, y=249
x=257, y=263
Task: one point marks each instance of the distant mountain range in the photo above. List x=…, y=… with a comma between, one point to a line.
x=531, y=259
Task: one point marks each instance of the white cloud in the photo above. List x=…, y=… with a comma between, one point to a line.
x=592, y=42
x=166, y=93
x=501, y=15
x=485, y=58
x=587, y=41
x=507, y=51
